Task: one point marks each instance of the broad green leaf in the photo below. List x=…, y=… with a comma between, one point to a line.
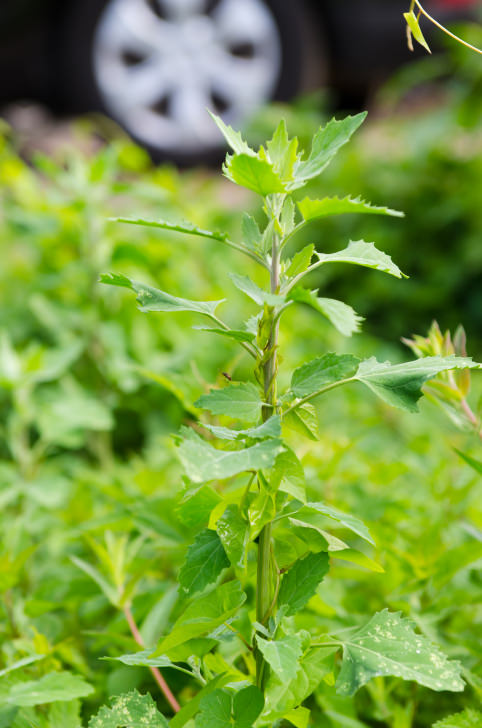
x=202, y=462
x=48, y=689
x=153, y=299
x=475, y=464
x=204, y=614
x=299, y=717
x=415, y=30
x=288, y=475
x=400, y=385
x=304, y=420
x=342, y=316
x=283, y=152
x=326, y=143
x=251, y=233
x=196, y=506
x=205, y=560
x=189, y=710
x=313, y=209
x=270, y=428
x=301, y=261
x=233, y=531
x=365, y=254
x=300, y=583
x=222, y=710
x=108, y=589
x=323, y=371
x=257, y=294
x=282, y=655
x=283, y=696
x=131, y=710
x=388, y=645
x=144, y=659
x=233, y=138
x=229, y=333
x=467, y=719
x=253, y=173
x=239, y=401
x=65, y=715
x=346, y=519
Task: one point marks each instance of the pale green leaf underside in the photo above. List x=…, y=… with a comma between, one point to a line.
x=365, y=254
x=342, y=316
x=270, y=428
x=257, y=294
x=253, y=173
x=400, y=385
x=55, y=686
x=346, y=519
x=299, y=584
x=153, y=299
x=202, y=462
x=239, y=401
x=323, y=371
x=282, y=655
x=130, y=710
x=144, y=659
x=313, y=209
x=228, y=333
x=326, y=143
x=388, y=645
x=205, y=560
x=203, y=615
x=467, y=719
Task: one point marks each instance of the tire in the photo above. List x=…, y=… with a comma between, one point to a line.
x=153, y=66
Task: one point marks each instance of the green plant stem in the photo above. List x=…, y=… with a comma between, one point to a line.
x=165, y=689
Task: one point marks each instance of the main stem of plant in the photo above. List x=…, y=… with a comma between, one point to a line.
x=264, y=581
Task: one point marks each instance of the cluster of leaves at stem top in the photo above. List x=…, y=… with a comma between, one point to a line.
x=264, y=531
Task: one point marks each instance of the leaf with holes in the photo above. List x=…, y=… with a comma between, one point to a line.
x=131, y=710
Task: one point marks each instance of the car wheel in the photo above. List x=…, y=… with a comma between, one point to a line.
x=155, y=66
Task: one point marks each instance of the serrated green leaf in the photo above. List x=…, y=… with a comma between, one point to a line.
x=416, y=31
x=257, y=294
x=239, y=401
x=196, y=506
x=287, y=217
x=314, y=209
x=301, y=261
x=54, y=686
x=233, y=530
x=222, y=710
x=288, y=475
x=203, y=615
x=190, y=709
x=365, y=254
x=323, y=371
x=233, y=138
x=283, y=696
x=205, y=560
x=342, y=316
x=282, y=655
x=467, y=719
x=346, y=519
x=400, y=385
x=326, y=143
x=202, y=462
x=145, y=658
x=251, y=233
x=253, y=173
x=153, y=299
x=228, y=333
x=270, y=428
x=304, y=420
x=388, y=645
x=299, y=584
x=131, y=710
x=247, y=705
x=283, y=152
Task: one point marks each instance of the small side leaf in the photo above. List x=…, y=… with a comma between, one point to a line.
x=415, y=30
x=153, y=299
x=342, y=316
x=282, y=655
x=257, y=294
x=233, y=531
x=314, y=209
x=253, y=173
x=233, y=138
x=205, y=560
x=365, y=254
x=301, y=581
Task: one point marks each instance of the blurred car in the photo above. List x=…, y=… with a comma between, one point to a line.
x=154, y=66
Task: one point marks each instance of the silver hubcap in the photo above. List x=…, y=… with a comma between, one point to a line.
x=159, y=64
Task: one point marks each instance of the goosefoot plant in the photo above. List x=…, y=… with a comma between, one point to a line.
x=266, y=548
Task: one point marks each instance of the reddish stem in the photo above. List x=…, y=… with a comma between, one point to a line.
x=154, y=670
